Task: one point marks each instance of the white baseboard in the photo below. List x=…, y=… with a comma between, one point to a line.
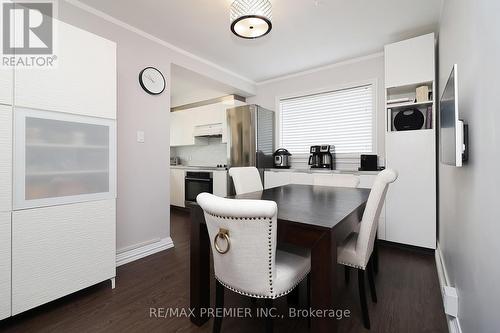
x=453, y=323
x=127, y=256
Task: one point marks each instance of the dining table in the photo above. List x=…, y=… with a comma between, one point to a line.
x=313, y=217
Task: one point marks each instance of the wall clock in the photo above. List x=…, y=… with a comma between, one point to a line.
x=152, y=81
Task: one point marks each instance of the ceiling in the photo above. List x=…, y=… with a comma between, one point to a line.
x=190, y=87
x=306, y=33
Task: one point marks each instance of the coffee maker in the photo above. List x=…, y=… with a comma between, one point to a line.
x=322, y=157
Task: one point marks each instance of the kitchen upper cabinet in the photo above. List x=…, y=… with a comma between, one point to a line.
x=183, y=122
x=6, y=158
x=5, y=265
x=177, y=189
x=82, y=82
x=410, y=62
x=181, y=129
x=6, y=84
x=61, y=249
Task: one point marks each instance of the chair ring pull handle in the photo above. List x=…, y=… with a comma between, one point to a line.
x=223, y=233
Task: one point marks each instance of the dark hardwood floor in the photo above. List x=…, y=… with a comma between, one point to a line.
x=407, y=288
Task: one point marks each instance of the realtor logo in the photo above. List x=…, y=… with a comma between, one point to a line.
x=28, y=34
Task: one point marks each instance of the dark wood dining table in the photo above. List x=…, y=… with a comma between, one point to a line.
x=312, y=217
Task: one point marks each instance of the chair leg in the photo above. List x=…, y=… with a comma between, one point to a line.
x=309, y=298
x=362, y=298
x=375, y=255
x=347, y=275
x=269, y=320
x=293, y=297
x=371, y=281
x=219, y=303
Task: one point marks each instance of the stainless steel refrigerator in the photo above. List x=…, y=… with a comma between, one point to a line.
x=251, y=139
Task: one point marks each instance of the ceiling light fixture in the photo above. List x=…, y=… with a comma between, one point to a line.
x=251, y=19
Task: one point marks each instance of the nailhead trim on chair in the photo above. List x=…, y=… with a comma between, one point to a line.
x=244, y=293
x=352, y=265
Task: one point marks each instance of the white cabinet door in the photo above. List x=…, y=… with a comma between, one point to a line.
x=275, y=179
x=177, y=190
x=5, y=158
x=220, y=183
x=6, y=84
x=411, y=199
x=181, y=129
x=59, y=250
x=410, y=61
x=62, y=158
x=302, y=178
x=5, y=265
x=82, y=82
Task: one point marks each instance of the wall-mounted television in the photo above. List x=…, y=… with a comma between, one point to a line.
x=453, y=132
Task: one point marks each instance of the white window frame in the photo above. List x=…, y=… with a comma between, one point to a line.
x=339, y=156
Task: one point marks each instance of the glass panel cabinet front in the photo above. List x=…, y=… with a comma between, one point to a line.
x=61, y=158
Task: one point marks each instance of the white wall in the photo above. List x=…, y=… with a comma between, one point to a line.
x=469, y=196
x=143, y=205
x=336, y=76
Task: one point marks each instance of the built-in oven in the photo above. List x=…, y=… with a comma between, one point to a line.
x=196, y=183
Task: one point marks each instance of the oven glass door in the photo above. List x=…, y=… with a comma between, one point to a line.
x=197, y=186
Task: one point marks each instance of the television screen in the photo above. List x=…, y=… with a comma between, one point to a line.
x=449, y=123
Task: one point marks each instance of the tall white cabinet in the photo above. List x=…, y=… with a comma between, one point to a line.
x=5, y=265
x=411, y=200
x=5, y=191
x=58, y=173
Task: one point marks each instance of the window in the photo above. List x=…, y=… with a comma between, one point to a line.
x=343, y=118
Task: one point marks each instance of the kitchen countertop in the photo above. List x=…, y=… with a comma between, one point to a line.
x=308, y=170
x=303, y=170
x=198, y=168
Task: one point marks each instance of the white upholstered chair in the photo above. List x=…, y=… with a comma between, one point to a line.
x=246, y=179
x=336, y=180
x=356, y=250
x=246, y=261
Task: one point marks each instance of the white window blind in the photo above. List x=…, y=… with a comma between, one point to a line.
x=343, y=118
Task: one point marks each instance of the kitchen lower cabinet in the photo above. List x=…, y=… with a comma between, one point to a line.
x=276, y=178
x=59, y=250
x=302, y=178
x=5, y=265
x=220, y=183
x=177, y=187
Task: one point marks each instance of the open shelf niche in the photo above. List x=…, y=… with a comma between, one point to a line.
x=405, y=98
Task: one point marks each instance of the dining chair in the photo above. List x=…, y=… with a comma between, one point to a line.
x=356, y=250
x=336, y=180
x=246, y=179
x=246, y=261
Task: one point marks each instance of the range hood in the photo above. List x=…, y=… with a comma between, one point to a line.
x=206, y=131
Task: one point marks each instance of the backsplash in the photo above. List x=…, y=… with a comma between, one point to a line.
x=211, y=154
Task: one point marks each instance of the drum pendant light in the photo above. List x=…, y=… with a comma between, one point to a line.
x=251, y=19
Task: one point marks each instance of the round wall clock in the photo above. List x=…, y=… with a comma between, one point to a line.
x=152, y=81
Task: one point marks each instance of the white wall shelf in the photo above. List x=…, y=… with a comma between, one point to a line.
x=411, y=104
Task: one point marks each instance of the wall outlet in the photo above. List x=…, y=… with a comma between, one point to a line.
x=140, y=136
